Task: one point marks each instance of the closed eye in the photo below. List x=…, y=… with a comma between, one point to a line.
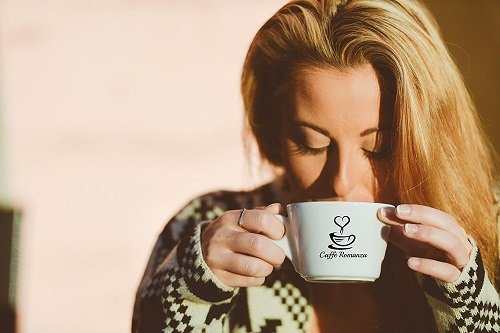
x=377, y=155
x=303, y=149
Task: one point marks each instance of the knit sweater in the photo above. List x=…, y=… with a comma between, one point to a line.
x=179, y=293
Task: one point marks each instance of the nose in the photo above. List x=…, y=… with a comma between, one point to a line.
x=342, y=171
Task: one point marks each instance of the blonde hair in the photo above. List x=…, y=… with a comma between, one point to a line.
x=442, y=157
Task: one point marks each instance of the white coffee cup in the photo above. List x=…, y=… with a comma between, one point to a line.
x=335, y=241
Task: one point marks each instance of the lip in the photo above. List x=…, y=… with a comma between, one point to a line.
x=319, y=200
x=358, y=203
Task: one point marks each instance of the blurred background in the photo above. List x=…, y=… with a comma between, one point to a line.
x=114, y=114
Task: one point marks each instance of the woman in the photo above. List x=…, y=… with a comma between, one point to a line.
x=353, y=100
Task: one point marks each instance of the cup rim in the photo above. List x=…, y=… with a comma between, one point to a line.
x=355, y=203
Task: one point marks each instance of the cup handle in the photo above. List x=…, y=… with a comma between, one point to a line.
x=283, y=242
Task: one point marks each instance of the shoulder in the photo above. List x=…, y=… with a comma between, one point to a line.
x=210, y=205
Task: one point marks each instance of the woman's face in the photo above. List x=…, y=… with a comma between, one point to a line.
x=335, y=138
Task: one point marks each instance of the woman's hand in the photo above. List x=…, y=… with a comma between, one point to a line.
x=242, y=256
x=436, y=244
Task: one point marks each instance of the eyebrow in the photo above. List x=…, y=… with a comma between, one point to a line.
x=324, y=131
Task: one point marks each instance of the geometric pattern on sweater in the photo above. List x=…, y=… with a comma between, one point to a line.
x=176, y=314
x=179, y=293
x=197, y=276
x=473, y=298
x=191, y=300
x=193, y=283
x=296, y=303
x=464, y=291
x=285, y=309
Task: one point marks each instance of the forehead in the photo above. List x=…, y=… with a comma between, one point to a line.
x=337, y=97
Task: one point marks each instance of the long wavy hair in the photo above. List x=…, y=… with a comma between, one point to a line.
x=441, y=155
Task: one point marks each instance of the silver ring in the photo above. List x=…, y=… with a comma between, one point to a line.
x=240, y=219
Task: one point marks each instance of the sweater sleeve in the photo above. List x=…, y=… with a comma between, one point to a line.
x=182, y=294
x=470, y=304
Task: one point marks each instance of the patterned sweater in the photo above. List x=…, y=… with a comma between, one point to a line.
x=179, y=293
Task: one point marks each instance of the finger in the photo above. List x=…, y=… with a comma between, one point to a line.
x=429, y=216
x=262, y=221
x=236, y=280
x=257, y=246
x=440, y=239
x=414, y=247
x=242, y=264
x=397, y=237
x=276, y=208
x=441, y=270
x=423, y=215
x=388, y=216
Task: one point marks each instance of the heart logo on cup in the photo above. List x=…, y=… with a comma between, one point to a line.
x=341, y=221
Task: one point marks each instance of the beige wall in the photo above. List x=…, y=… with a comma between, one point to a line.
x=115, y=113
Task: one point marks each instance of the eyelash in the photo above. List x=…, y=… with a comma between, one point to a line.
x=311, y=151
x=316, y=151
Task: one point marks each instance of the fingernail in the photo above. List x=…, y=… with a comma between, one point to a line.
x=414, y=262
x=411, y=228
x=403, y=209
x=388, y=212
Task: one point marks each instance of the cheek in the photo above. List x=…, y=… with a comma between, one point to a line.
x=304, y=170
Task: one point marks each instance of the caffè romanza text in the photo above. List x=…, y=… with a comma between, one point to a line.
x=341, y=254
